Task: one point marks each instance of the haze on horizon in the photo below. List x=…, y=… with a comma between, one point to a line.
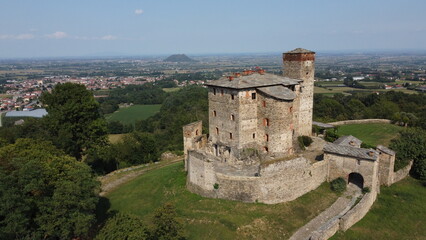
x=51, y=28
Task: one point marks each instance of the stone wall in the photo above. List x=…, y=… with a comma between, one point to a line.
x=358, y=212
x=360, y=121
x=191, y=132
x=386, y=167
x=402, y=173
x=277, y=182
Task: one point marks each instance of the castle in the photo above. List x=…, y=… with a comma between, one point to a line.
x=252, y=152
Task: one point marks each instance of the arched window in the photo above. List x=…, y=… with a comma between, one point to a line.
x=230, y=135
x=217, y=130
x=196, y=132
x=232, y=117
x=265, y=122
x=267, y=137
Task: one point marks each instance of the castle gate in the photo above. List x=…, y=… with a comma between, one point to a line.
x=356, y=179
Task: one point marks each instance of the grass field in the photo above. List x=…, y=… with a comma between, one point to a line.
x=205, y=218
x=171, y=89
x=332, y=90
x=371, y=133
x=398, y=213
x=133, y=113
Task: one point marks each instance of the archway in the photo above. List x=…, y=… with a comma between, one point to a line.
x=356, y=179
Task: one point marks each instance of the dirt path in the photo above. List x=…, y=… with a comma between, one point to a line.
x=342, y=205
x=114, y=179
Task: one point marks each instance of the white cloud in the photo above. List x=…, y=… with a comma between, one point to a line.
x=57, y=35
x=24, y=36
x=138, y=11
x=109, y=37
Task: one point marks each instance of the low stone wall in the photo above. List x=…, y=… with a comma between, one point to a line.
x=401, y=173
x=358, y=212
x=360, y=121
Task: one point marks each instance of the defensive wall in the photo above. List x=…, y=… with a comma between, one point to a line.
x=360, y=121
x=279, y=181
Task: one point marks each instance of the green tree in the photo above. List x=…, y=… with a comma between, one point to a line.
x=166, y=226
x=411, y=145
x=44, y=193
x=123, y=226
x=73, y=119
x=136, y=148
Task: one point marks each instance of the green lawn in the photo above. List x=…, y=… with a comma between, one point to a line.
x=134, y=113
x=371, y=133
x=398, y=213
x=205, y=218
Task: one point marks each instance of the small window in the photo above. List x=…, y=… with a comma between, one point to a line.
x=214, y=113
x=232, y=96
x=265, y=149
x=196, y=132
x=267, y=137
x=232, y=117
x=217, y=130
x=214, y=91
x=230, y=135
x=253, y=96
x=254, y=135
x=265, y=122
x=290, y=109
x=264, y=103
x=221, y=92
x=358, y=162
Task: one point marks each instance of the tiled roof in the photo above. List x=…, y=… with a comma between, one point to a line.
x=348, y=141
x=252, y=81
x=355, y=152
x=385, y=150
x=279, y=92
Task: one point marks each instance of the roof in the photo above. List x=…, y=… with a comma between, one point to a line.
x=38, y=113
x=385, y=150
x=279, y=92
x=300, y=50
x=252, y=81
x=355, y=152
x=348, y=141
x=322, y=125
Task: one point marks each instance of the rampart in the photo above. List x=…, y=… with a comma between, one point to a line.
x=402, y=173
x=361, y=121
x=276, y=182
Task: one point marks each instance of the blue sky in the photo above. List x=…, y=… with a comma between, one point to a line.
x=53, y=28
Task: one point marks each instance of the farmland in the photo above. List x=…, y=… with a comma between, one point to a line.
x=130, y=115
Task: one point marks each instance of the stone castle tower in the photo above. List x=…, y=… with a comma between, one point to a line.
x=300, y=64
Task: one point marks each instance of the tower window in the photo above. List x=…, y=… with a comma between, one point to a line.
x=214, y=113
x=232, y=117
x=232, y=96
x=264, y=103
x=290, y=109
x=230, y=135
x=254, y=135
x=267, y=137
x=253, y=96
x=196, y=132
x=265, y=149
x=221, y=92
x=217, y=130
x=214, y=91
x=265, y=122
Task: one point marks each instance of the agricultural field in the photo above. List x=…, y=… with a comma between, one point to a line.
x=130, y=115
x=171, y=89
x=205, y=218
x=371, y=133
x=398, y=213
x=332, y=90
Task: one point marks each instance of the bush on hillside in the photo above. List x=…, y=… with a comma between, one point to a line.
x=338, y=185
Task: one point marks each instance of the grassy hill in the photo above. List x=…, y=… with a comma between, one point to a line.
x=371, y=133
x=205, y=218
x=398, y=213
x=134, y=113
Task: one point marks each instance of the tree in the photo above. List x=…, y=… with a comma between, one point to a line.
x=137, y=148
x=166, y=226
x=73, y=119
x=44, y=193
x=411, y=145
x=123, y=226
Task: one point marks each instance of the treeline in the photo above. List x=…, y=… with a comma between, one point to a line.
x=136, y=94
x=403, y=109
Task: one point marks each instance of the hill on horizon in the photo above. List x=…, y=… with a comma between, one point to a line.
x=178, y=58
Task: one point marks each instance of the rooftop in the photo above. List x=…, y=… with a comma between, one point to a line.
x=348, y=141
x=38, y=113
x=300, y=50
x=279, y=92
x=385, y=149
x=252, y=81
x=363, y=153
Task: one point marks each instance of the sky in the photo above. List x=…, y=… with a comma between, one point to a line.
x=72, y=28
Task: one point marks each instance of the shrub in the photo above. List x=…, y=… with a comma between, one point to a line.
x=300, y=141
x=366, y=190
x=307, y=141
x=338, y=185
x=216, y=186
